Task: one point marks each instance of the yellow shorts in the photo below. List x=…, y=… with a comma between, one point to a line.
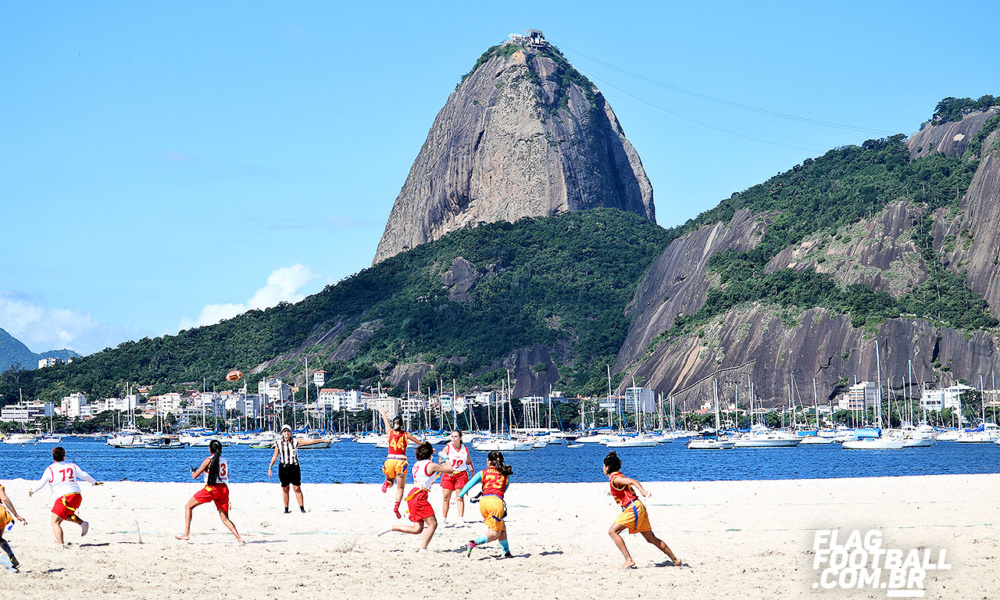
x=5, y=518
x=394, y=467
x=635, y=518
x=494, y=511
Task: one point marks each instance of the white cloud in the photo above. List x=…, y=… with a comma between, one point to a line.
x=283, y=285
x=43, y=329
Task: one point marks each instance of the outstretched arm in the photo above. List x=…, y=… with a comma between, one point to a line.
x=310, y=442
x=413, y=438
x=385, y=419
x=472, y=482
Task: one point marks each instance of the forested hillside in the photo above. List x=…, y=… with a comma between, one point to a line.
x=562, y=282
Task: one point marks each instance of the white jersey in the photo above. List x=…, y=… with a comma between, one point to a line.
x=61, y=477
x=460, y=459
x=223, y=471
x=421, y=477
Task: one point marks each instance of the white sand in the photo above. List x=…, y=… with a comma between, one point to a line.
x=738, y=540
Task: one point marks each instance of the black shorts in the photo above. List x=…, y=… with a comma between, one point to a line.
x=289, y=475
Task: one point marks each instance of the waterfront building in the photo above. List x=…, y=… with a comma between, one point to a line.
x=949, y=397
x=27, y=412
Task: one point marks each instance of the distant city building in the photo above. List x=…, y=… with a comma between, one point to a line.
x=413, y=405
x=859, y=396
x=337, y=399
x=949, y=397
x=274, y=390
x=485, y=398
x=27, y=412
x=74, y=406
x=612, y=403
x=49, y=362
x=319, y=378
x=387, y=403
x=167, y=404
x=248, y=406
x=641, y=399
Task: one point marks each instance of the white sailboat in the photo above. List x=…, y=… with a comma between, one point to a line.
x=881, y=442
x=711, y=441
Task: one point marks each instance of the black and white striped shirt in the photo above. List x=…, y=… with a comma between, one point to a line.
x=288, y=453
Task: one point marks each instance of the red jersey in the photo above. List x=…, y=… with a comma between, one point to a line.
x=397, y=443
x=494, y=482
x=624, y=495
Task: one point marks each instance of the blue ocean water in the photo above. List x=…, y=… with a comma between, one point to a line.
x=349, y=462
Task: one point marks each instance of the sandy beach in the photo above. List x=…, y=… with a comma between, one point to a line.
x=745, y=539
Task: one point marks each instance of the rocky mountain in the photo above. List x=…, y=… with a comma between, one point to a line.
x=523, y=135
x=912, y=248
x=13, y=353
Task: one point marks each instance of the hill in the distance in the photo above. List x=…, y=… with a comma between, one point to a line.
x=14, y=353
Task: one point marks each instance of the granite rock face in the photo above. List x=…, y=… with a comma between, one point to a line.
x=678, y=282
x=974, y=233
x=779, y=349
x=524, y=135
x=878, y=252
x=951, y=138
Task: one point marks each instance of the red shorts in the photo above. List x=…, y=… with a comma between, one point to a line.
x=417, y=505
x=455, y=482
x=65, y=507
x=218, y=493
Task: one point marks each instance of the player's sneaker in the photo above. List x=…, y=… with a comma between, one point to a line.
x=385, y=486
x=468, y=549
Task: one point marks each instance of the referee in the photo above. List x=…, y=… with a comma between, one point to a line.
x=286, y=451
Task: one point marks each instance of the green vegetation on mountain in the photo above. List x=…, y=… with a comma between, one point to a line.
x=564, y=279
x=954, y=109
x=836, y=190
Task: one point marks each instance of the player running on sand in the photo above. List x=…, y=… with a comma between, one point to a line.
x=458, y=457
x=61, y=477
x=394, y=467
x=420, y=511
x=216, y=471
x=633, y=516
x=7, y=515
x=495, y=479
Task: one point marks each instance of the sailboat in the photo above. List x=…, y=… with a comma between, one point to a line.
x=879, y=442
x=711, y=441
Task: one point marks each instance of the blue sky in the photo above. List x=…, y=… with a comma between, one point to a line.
x=167, y=164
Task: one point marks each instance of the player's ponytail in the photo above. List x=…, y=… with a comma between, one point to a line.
x=215, y=447
x=495, y=458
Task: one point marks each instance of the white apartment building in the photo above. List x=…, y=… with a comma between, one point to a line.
x=337, y=399
x=485, y=399
x=169, y=404
x=413, y=405
x=949, y=397
x=319, y=378
x=74, y=406
x=272, y=389
x=26, y=412
x=641, y=398
x=48, y=362
x=248, y=405
x=387, y=403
